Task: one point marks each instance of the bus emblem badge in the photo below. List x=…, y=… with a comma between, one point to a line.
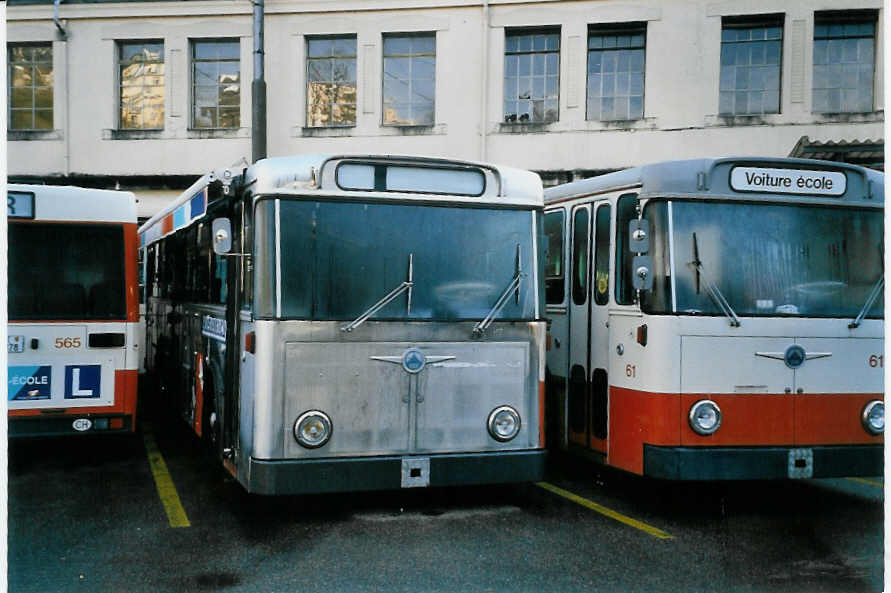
x=413, y=360
x=794, y=356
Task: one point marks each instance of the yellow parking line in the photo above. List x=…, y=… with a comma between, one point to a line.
x=590, y=504
x=176, y=514
x=868, y=481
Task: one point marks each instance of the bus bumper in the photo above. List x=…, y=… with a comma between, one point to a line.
x=40, y=426
x=761, y=463
x=313, y=476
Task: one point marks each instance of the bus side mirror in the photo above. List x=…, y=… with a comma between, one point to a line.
x=642, y=272
x=638, y=235
x=222, y=236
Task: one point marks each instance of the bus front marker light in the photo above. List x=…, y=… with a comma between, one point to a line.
x=705, y=417
x=312, y=429
x=873, y=417
x=503, y=423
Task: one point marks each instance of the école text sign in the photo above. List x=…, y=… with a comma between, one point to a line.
x=788, y=181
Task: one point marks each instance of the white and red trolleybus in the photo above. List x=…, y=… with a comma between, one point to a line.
x=719, y=318
x=353, y=322
x=73, y=312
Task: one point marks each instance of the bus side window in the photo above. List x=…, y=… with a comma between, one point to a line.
x=580, y=257
x=247, y=263
x=626, y=210
x=601, y=255
x=555, y=285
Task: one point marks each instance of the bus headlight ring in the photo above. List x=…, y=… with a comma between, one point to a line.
x=313, y=429
x=705, y=417
x=503, y=423
x=873, y=417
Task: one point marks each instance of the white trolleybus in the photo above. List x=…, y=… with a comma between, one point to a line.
x=343, y=323
x=73, y=311
x=719, y=318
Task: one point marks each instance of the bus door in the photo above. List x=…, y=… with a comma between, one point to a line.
x=579, y=324
x=598, y=328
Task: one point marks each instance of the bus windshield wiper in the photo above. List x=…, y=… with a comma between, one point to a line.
x=713, y=291
x=514, y=286
x=403, y=287
x=870, y=301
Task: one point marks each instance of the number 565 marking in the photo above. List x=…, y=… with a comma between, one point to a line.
x=67, y=343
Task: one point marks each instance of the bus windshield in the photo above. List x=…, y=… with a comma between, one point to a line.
x=338, y=259
x=66, y=271
x=765, y=259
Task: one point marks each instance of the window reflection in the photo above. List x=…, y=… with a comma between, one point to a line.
x=30, y=96
x=141, y=68
x=409, y=80
x=531, y=76
x=331, y=82
x=216, y=84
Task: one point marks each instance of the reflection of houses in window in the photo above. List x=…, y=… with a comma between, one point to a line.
x=30, y=79
x=141, y=71
x=331, y=81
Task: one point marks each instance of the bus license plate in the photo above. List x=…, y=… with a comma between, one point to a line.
x=16, y=344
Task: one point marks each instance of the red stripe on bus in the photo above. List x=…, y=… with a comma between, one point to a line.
x=131, y=274
x=167, y=224
x=748, y=419
x=199, y=393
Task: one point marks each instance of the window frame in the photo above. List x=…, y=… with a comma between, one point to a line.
x=384, y=56
x=306, y=64
x=845, y=17
x=519, y=32
x=193, y=85
x=632, y=29
x=33, y=109
x=761, y=21
x=119, y=64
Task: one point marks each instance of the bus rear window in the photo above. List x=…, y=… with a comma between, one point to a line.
x=66, y=271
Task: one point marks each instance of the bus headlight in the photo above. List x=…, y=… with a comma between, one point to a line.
x=705, y=417
x=312, y=429
x=504, y=423
x=873, y=417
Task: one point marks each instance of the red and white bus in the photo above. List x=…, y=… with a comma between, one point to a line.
x=719, y=319
x=73, y=310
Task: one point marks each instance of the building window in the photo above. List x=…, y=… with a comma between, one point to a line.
x=751, y=55
x=844, y=62
x=532, y=76
x=216, y=83
x=30, y=86
x=409, y=79
x=141, y=71
x=331, y=81
x=616, y=59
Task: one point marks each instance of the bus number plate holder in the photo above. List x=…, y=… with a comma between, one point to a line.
x=801, y=463
x=15, y=344
x=415, y=472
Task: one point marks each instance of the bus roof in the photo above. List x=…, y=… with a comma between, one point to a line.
x=714, y=177
x=304, y=175
x=69, y=203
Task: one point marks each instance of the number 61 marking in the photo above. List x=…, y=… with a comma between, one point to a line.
x=877, y=360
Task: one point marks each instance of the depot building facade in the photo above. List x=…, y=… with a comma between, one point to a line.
x=147, y=96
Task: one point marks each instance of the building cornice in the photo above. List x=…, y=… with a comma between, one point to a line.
x=25, y=10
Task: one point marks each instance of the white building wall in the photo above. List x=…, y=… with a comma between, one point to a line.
x=680, y=104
